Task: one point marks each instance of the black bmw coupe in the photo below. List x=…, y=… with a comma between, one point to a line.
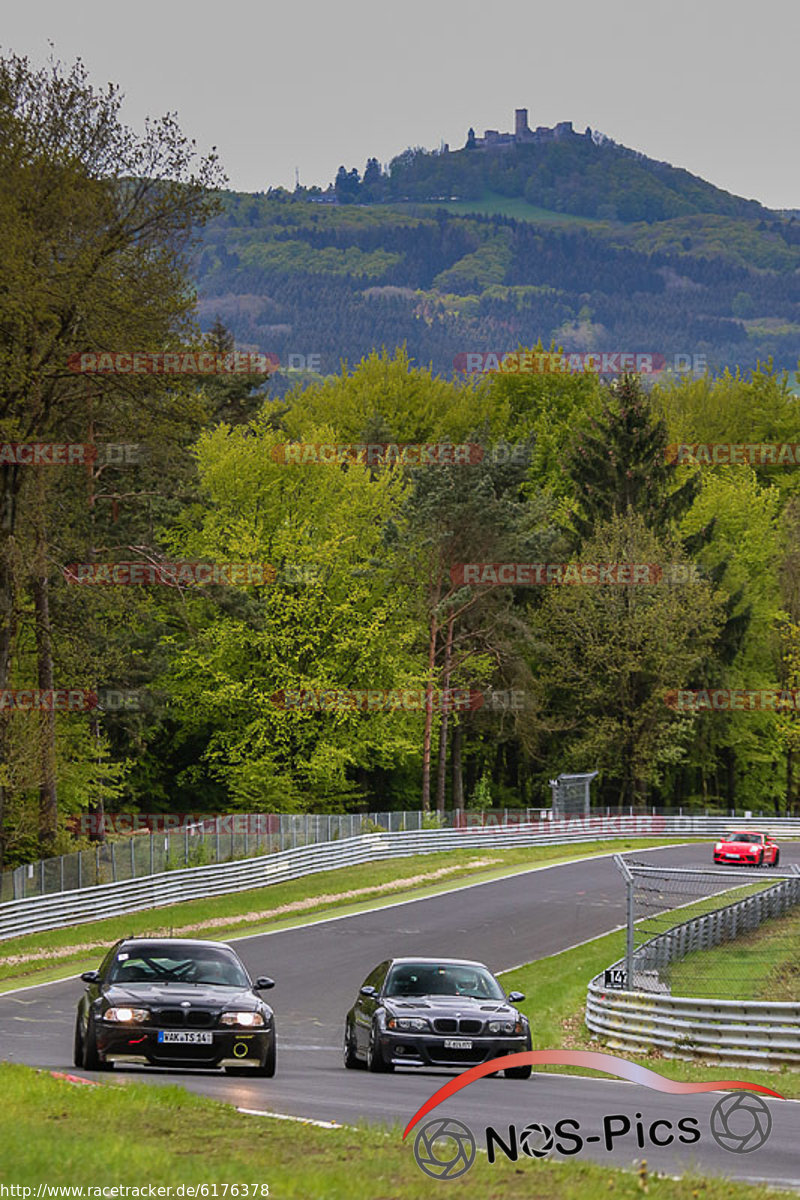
x=174, y=1002
x=434, y=1012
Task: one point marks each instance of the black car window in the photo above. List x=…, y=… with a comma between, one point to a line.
x=167, y=964
x=376, y=978
x=106, y=963
x=430, y=979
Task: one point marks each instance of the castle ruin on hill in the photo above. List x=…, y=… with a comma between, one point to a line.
x=494, y=140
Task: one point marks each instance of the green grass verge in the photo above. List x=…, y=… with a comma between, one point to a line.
x=59, y=953
x=130, y=1135
x=762, y=965
x=555, y=990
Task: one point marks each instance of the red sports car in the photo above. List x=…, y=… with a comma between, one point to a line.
x=744, y=846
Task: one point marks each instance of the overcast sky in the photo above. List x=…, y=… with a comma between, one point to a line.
x=710, y=85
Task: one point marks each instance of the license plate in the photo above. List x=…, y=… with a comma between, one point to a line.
x=457, y=1044
x=187, y=1037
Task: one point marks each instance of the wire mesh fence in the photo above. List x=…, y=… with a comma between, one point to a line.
x=199, y=841
x=571, y=794
x=729, y=933
x=217, y=839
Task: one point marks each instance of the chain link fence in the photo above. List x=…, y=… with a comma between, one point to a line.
x=730, y=933
x=236, y=836
x=571, y=795
x=221, y=839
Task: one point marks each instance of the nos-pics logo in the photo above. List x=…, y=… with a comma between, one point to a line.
x=445, y=1148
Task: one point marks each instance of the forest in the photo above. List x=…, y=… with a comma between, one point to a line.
x=244, y=572
x=290, y=276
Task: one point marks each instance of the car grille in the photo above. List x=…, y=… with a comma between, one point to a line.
x=451, y=1025
x=470, y=1026
x=476, y=1055
x=180, y=1018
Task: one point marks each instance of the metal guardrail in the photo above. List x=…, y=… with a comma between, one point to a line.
x=246, y=835
x=78, y=906
x=189, y=844
x=755, y=1033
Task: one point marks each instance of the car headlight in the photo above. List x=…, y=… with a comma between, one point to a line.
x=247, y=1019
x=126, y=1016
x=502, y=1027
x=718, y=847
x=407, y=1023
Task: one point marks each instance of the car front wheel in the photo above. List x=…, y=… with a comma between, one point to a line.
x=777, y=858
x=77, y=1045
x=267, y=1070
x=351, y=1059
x=520, y=1072
x=375, y=1060
x=91, y=1055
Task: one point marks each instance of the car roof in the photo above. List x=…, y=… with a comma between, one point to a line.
x=736, y=832
x=162, y=941
x=440, y=962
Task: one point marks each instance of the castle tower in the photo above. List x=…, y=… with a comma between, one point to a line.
x=521, y=130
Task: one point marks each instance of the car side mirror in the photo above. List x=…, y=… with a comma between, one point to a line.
x=91, y=976
x=515, y=997
x=368, y=990
x=263, y=983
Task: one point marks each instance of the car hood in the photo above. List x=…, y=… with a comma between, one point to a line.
x=449, y=1006
x=173, y=995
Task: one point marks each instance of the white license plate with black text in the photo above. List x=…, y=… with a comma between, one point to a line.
x=191, y=1037
x=457, y=1044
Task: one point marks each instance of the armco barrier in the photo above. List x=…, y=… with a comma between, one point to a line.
x=752, y=1033
x=171, y=887
x=249, y=835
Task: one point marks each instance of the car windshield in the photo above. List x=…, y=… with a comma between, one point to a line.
x=431, y=979
x=178, y=964
x=745, y=837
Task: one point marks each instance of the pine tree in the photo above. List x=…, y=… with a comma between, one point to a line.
x=621, y=465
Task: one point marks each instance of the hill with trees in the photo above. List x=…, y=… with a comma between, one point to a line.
x=291, y=275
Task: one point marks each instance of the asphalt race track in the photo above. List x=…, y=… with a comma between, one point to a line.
x=318, y=969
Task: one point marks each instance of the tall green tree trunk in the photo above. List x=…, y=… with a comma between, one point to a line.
x=48, y=793
x=8, y=617
x=441, y=783
x=458, y=776
x=427, y=736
